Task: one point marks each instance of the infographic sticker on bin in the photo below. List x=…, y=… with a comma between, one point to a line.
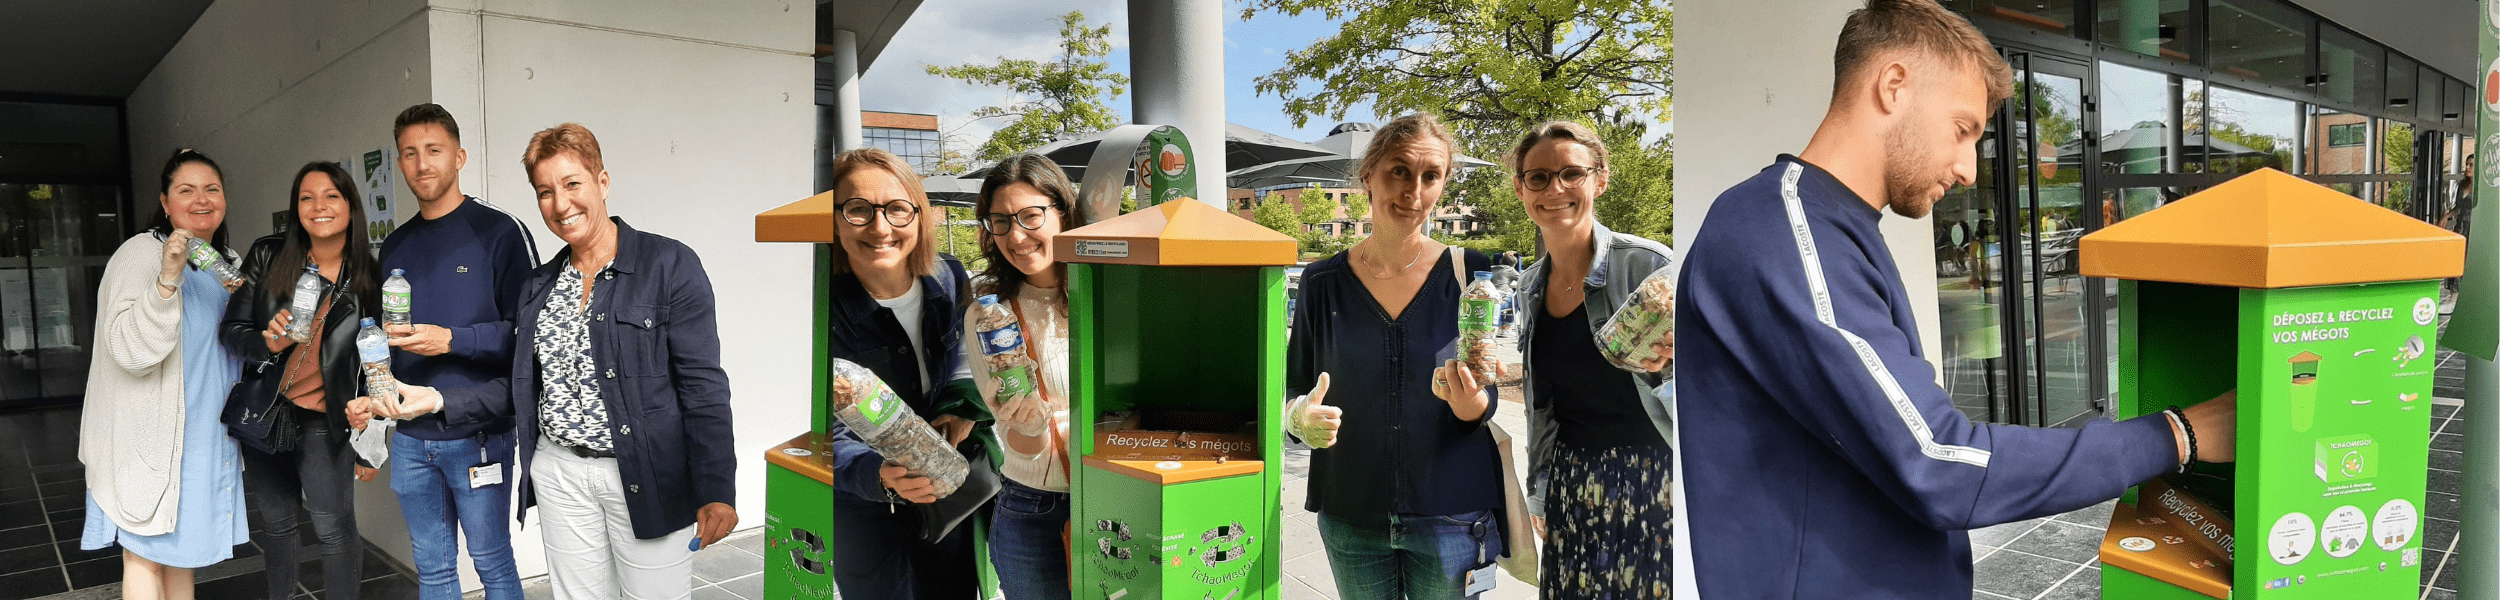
x=2334, y=436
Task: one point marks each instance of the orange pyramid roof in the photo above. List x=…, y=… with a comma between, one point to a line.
x=2269, y=229
x=809, y=220
x=1182, y=232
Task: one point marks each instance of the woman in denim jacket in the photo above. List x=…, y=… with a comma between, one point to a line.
x=1600, y=467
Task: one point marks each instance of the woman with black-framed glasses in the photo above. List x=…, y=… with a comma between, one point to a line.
x=1023, y=205
x=898, y=308
x=1600, y=472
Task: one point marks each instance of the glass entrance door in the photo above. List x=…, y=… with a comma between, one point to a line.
x=54, y=242
x=2022, y=341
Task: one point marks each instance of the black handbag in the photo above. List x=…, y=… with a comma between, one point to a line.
x=257, y=415
x=981, y=482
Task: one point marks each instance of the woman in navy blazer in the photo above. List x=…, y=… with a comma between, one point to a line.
x=621, y=404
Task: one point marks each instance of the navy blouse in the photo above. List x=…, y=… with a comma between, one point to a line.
x=1400, y=450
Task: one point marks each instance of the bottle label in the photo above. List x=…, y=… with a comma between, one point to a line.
x=372, y=351
x=1480, y=314
x=202, y=256
x=881, y=408
x=1014, y=382
x=1002, y=340
x=395, y=302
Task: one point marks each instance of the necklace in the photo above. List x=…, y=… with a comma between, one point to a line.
x=1410, y=263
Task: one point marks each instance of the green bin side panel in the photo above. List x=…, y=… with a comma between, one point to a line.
x=821, y=382
x=793, y=504
x=1172, y=531
x=2122, y=584
x=2335, y=465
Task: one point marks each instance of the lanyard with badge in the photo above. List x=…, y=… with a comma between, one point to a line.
x=487, y=472
x=1481, y=579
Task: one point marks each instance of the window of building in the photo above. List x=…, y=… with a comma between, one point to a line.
x=2157, y=29
x=2351, y=67
x=2262, y=40
x=2349, y=134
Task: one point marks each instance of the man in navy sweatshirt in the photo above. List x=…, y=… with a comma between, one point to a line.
x=1821, y=458
x=466, y=262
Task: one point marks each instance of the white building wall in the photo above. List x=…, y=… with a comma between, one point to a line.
x=1762, y=91
x=705, y=116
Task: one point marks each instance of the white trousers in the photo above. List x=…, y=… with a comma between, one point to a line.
x=591, y=550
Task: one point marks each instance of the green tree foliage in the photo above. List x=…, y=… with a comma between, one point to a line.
x=1278, y=215
x=1492, y=69
x=1064, y=96
x=1358, y=206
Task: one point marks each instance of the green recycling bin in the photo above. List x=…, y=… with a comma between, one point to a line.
x=2319, y=309
x=1177, y=347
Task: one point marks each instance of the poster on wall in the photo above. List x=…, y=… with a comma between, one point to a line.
x=378, y=179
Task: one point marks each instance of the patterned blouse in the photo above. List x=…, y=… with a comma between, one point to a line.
x=569, y=406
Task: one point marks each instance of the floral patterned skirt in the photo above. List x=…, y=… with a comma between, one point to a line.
x=1609, y=524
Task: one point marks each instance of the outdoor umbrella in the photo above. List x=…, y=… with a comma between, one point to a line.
x=2144, y=142
x=1345, y=148
x=1243, y=147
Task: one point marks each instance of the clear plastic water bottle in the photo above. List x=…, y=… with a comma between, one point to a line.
x=206, y=258
x=395, y=293
x=374, y=349
x=1002, y=348
x=1479, y=315
x=879, y=417
x=306, y=305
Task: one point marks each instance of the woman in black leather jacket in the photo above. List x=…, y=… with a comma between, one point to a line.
x=329, y=235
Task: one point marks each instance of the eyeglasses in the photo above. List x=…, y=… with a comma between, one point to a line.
x=899, y=213
x=1570, y=177
x=1029, y=218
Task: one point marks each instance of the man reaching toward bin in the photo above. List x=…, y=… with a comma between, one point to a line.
x=1822, y=460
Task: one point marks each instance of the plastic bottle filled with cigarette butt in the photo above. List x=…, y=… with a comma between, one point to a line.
x=1640, y=337
x=1002, y=352
x=206, y=258
x=1479, y=314
x=374, y=350
x=879, y=417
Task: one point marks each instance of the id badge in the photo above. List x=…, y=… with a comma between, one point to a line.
x=1481, y=580
x=485, y=475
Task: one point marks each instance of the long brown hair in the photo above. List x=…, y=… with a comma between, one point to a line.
x=1035, y=170
x=357, y=267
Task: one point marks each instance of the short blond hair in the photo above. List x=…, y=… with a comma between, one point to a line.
x=566, y=138
x=1920, y=27
x=1401, y=132
x=923, y=250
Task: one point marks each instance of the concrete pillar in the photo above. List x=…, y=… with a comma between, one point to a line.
x=847, y=132
x=1176, y=71
x=2478, y=535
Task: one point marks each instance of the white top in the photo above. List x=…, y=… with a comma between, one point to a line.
x=1045, y=327
x=907, y=312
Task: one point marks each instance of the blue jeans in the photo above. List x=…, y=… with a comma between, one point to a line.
x=1025, y=546
x=432, y=480
x=1422, y=557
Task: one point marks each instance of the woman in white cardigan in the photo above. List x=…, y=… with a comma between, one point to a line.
x=161, y=473
x=1024, y=203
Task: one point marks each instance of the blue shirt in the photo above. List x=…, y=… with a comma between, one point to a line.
x=209, y=522
x=465, y=272
x=1821, y=460
x=1399, y=449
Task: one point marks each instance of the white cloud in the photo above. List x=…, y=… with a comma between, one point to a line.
x=948, y=33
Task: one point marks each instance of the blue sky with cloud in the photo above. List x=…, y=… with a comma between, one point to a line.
x=953, y=32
